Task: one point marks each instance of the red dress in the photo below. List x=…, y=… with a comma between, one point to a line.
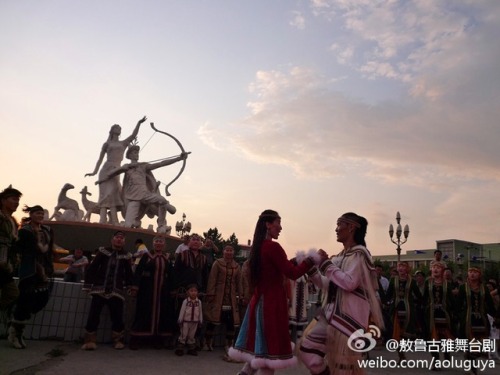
x=264, y=338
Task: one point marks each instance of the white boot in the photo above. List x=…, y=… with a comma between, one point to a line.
x=16, y=336
x=89, y=341
x=246, y=370
x=118, y=340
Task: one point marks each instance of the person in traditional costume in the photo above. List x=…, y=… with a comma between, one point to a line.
x=453, y=286
x=107, y=277
x=475, y=303
x=190, y=319
x=401, y=295
x=35, y=247
x=351, y=305
x=419, y=277
x=154, y=315
x=264, y=340
x=221, y=302
x=439, y=300
x=191, y=268
x=9, y=291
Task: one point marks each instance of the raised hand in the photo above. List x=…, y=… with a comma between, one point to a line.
x=322, y=255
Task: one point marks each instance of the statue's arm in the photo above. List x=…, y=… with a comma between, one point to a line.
x=183, y=156
x=132, y=136
x=99, y=161
x=116, y=172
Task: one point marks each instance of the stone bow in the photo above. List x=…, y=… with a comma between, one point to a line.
x=182, y=150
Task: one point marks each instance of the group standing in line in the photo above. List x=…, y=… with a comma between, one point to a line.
x=438, y=308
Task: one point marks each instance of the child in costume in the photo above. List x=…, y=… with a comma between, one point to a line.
x=190, y=317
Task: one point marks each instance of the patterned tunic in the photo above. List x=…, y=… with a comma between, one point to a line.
x=224, y=286
x=154, y=312
x=109, y=273
x=475, y=305
x=439, y=300
x=402, y=295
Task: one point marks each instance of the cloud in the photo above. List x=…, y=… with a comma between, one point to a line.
x=414, y=42
x=208, y=135
x=298, y=20
x=300, y=121
x=442, y=132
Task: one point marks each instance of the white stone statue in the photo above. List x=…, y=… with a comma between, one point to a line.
x=140, y=190
x=110, y=197
x=70, y=206
x=90, y=207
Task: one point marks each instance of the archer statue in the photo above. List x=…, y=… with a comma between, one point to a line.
x=110, y=197
x=140, y=190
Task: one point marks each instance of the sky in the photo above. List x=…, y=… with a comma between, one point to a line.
x=312, y=108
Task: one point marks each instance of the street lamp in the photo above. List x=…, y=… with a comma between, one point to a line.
x=398, y=240
x=182, y=227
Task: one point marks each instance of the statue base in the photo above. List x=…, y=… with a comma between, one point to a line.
x=71, y=235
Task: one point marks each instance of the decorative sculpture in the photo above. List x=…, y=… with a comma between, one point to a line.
x=70, y=206
x=139, y=196
x=140, y=190
x=90, y=207
x=110, y=197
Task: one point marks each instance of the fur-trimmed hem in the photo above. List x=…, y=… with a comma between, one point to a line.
x=275, y=364
x=240, y=355
x=260, y=362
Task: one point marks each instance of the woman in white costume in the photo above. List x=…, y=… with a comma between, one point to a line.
x=351, y=306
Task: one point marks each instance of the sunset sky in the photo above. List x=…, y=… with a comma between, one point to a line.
x=312, y=108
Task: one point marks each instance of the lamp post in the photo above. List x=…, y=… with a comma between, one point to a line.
x=399, y=231
x=182, y=227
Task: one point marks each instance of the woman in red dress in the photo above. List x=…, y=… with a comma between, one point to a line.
x=264, y=340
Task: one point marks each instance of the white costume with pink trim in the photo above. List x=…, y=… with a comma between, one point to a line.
x=351, y=281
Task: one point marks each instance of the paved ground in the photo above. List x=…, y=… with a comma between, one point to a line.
x=45, y=357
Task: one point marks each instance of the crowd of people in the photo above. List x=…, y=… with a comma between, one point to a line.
x=440, y=307
x=185, y=296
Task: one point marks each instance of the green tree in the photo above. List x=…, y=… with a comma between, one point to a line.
x=220, y=242
x=215, y=236
x=233, y=241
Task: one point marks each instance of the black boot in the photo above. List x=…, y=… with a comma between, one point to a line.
x=179, y=350
x=169, y=343
x=133, y=343
x=192, y=350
